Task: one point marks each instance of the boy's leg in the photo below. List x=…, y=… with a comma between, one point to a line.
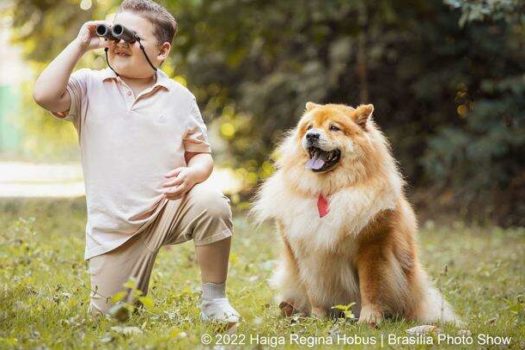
x=205, y=216
x=213, y=260
x=133, y=259
x=110, y=271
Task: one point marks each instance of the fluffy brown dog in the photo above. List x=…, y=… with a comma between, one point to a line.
x=349, y=233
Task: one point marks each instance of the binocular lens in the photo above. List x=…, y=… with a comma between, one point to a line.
x=121, y=32
x=118, y=29
x=103, y=30
x=117, y=32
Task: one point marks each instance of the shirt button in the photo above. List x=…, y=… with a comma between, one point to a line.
x=129, y=93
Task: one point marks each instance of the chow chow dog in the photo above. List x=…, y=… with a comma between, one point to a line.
x=349, y=233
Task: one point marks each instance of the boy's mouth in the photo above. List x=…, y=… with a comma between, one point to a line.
x=122, y=53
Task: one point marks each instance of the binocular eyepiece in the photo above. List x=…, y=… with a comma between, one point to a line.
x=117, y=32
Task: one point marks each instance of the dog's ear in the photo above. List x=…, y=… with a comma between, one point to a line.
x=362, y=114
x=311, y=105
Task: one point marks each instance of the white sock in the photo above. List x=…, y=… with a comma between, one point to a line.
x=212, y=291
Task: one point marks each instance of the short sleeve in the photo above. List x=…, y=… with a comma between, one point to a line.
x=195, y=137
x=77, y=89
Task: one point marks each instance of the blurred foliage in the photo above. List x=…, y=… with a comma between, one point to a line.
x=446, y=77
x=43, y=29
x=479, y=10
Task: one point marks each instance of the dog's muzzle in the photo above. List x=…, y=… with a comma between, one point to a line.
x=320, y=160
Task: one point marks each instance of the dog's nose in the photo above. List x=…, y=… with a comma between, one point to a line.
x=312, y=136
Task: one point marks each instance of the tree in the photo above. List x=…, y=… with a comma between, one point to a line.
x=446, y=79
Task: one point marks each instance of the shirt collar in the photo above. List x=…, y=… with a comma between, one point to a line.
x=162, y=78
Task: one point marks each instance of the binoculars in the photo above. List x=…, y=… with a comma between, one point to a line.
x=117, y=32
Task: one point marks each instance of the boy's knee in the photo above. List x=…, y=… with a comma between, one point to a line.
x=119, y=311
x=213, y=202
x=97, y=311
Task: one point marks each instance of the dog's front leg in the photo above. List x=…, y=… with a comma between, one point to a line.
x=318, y=311
x=286, y=278
x=371, y=265
x=318, y=308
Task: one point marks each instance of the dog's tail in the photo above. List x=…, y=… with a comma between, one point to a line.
x=434, y=307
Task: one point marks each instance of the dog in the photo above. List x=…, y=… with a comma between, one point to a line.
x=349, y=232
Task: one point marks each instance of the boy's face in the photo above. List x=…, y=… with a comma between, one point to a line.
x=128, y=59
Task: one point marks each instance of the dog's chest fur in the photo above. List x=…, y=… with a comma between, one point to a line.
x=350, y=211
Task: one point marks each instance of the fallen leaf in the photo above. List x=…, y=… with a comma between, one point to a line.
x=127, y=330
x=107, y=338
x=423, y=329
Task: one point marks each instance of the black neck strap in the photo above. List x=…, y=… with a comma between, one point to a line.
x=143, y=51
x=107, y=61
x=145, y=55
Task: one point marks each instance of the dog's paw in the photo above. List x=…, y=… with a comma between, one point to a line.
x=371, y=315
x=287, y=308
x=319, y=312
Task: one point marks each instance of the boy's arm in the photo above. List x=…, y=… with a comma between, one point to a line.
x=202, y=165
x=181, y=180
x=197, y=153
x=50, y=87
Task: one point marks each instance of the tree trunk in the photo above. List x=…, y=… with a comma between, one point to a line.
x=362, y=54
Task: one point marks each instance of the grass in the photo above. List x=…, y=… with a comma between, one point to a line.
x=44, y=288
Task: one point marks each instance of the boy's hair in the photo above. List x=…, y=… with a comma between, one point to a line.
x=163, y=21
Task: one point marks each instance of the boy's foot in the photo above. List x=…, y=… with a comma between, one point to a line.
x=219, y=310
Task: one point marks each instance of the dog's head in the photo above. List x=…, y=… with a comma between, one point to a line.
x=334, y=146
x=329, y=133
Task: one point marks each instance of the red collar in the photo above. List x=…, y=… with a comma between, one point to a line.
x=322, y=205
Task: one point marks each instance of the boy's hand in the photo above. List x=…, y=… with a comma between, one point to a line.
x=87, y=37
x=180, y=181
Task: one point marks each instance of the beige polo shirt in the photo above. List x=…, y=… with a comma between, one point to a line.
x=127, y=144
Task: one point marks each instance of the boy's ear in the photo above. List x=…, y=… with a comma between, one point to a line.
x=311, y=105
x=164, y=51
x=362, y=114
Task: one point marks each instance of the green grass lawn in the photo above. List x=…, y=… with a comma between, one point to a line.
x=44, y=288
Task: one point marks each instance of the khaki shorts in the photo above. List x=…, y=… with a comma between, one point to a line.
x=204, y=215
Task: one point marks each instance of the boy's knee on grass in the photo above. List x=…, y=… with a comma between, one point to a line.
x=95, y=312
x=118, y=311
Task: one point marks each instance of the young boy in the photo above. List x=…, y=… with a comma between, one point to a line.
x=144, y=154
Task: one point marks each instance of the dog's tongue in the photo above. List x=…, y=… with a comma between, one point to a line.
x=315, y=163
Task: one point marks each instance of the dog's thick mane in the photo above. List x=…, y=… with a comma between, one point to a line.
x=375, y=178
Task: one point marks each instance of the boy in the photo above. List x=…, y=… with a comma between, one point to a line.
x=144, y=156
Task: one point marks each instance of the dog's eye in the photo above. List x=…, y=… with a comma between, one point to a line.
x=309, y=127
x=334, y=128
